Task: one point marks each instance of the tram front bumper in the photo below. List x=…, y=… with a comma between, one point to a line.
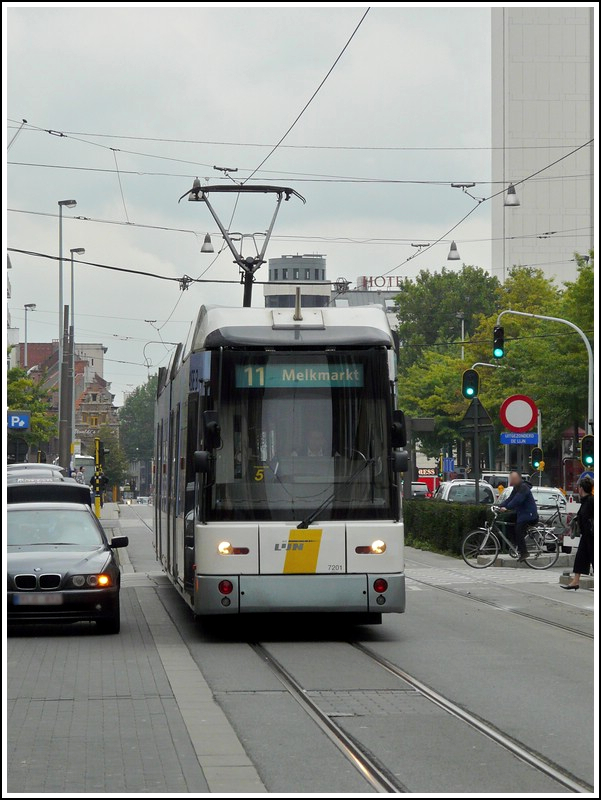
x=349, y=593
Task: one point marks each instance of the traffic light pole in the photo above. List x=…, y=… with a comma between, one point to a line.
x=476, y=449
x=589, y=350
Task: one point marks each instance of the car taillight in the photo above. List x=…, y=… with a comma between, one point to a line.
x=380, y=585
x=225, y=587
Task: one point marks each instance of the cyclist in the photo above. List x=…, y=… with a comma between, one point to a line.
x=522, y=502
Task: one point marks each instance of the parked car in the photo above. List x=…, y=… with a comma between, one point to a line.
x=419, y=489
x=35, y=473
x=61, y=566
x=464, y=491
x=143, y=501
x=35, y=465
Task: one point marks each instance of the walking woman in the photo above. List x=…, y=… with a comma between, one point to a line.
x=584, y=555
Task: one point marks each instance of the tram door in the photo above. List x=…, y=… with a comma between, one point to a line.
x=174, y=491
x=169, y=489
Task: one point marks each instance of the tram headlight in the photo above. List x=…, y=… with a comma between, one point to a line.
x=224, y=548
x=378, y=546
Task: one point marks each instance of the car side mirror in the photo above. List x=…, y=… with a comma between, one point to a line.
x=399, y=430
x=212, y=430
x=400, y=461
x=119, y=541
x=202, y=461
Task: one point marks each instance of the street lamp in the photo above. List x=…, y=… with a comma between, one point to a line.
x=511, y=198
x=461, y=315
x=62, y=427
x=453, y=253
x=80, y=251
x=27, y=307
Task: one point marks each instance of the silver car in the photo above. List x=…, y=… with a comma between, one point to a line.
x=464, y=491
x=548, y=500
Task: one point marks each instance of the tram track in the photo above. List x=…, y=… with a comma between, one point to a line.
x=377, y=775
x=499, y=606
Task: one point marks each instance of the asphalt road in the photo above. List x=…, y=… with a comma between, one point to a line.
x=170, y=705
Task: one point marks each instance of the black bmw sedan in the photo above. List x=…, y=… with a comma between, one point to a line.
x=61, y=566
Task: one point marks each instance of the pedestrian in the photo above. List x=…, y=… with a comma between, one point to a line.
x=522, y=502
x=585, y=553
x=80, y=476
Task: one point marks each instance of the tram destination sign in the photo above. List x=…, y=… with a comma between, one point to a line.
x=298, y=376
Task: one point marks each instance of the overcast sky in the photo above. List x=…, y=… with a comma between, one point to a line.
x=232, y=80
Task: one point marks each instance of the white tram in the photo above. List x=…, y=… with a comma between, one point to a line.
x=277, y=463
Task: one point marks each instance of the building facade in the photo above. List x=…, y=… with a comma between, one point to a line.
x=542, y=108
x=288, y=272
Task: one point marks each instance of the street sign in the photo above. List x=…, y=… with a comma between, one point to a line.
x=448, y=465
x=519, y=413
x=519, y=438
x=485, y=426
x=587, y=474
x=18, y=420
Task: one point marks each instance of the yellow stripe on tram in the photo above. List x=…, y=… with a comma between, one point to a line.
x=303, y=550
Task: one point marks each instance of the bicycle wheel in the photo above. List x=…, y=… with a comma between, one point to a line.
x=542, y=553
x=480, y=548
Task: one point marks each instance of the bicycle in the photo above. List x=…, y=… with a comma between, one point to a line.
x=480, y=548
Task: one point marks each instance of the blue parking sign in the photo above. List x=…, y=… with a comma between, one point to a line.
x=18, y=420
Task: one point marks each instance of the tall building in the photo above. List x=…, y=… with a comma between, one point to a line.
x=12, y=334
x=542, y=108
x=306, y=271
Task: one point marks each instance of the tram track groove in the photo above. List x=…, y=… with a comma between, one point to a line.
x=516, y=748
x=374, y=773
x=492, y=604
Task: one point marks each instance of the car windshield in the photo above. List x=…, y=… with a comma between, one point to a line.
x=467, y=494
x=548, y=498
x=28, y=527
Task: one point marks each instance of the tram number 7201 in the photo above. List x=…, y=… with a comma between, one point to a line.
x=335, y=568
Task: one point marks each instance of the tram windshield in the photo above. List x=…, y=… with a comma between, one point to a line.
x=297, y=428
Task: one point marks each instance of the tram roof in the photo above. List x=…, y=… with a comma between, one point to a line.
x=219, y=326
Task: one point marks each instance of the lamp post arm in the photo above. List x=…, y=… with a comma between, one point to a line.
x=589, y=350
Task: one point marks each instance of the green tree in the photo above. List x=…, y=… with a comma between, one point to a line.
x=136, y=421
x=25, y=394
x=427, y=308
x=542, y=359
x=116, y=464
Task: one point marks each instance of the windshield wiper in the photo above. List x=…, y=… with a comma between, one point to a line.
x=303, y=524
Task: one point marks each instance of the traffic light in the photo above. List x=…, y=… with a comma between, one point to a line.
x=440, y=467
x=587, y=451
x=498, y=342
x=470, y=384
x=536, y=458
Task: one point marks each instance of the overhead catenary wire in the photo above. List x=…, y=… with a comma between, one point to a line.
x=289, y=237
x=423, y=250
x=313, y=96
x=293, y=176
x=386, y=148
x=120, y=184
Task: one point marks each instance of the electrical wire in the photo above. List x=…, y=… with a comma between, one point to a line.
x=315, y=178
x=306, y=146
x=423, y=250
x=120, y=184
x=313, y=96
x=288, y=237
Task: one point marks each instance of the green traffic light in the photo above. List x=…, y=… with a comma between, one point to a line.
x=469, y=391
x=588, y=460
x=498, y=353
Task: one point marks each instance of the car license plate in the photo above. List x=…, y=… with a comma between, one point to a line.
x=54, y=599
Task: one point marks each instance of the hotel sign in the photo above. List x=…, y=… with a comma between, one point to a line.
x=388, y=282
